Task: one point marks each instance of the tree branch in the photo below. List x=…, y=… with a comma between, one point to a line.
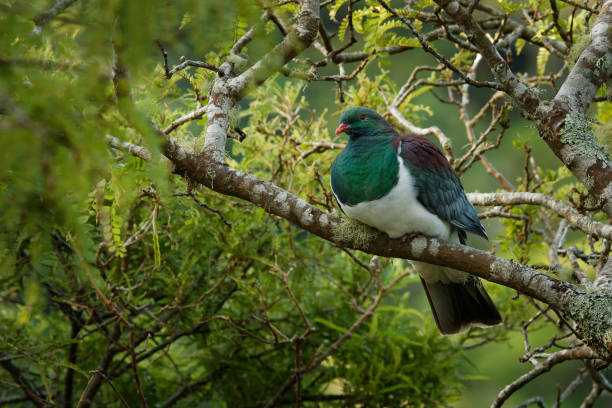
x=546, y=365
x=50, y=14
x=99, y=374
x=592, y=311
x=561, y=295
x=578, y=220
x=579, y=152
x=30, y=392
x=226, y=90
x=564, y=126
x=508, y=81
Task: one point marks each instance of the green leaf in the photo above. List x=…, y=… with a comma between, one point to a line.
x=541, y=60
x=186, y=20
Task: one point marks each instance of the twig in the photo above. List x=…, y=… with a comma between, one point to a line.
x=539, y=401
x=318, y=358
x=578, y=272
x=30, y=392
x=436, y=54
x=202, y=204
x=597, y=376
x=578, y=220
x=580, y=6
x=196, y=114
x=432, y=130
x=136, y=150
x=571, y=388
x=50, y=14
x=184, y=63
x=189, y=388
x=590, y=399
x=546, y=365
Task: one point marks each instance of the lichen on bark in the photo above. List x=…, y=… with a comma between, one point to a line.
x=355, y=232
x=578, y=133
x=592, y=312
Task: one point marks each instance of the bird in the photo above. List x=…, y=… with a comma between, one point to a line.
x=403, y=185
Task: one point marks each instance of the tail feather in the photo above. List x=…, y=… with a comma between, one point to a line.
x=457, y=305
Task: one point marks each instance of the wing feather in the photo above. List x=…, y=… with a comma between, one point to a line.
x=439, y=188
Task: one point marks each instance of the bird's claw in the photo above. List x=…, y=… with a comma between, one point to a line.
x=408, y=236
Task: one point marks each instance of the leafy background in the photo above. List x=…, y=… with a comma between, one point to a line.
x=206, y=276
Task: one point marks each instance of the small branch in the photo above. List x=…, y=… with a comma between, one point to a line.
x=546, y=365
x=50, y=14
x=196, y=114
x=598, y=377
x=445, y=142
x=202, y=204
x=590, y=399
x=506, y=79
x=99, y=374
x=435, y=53
x=320, y=147
x=578, y=272
x=192, y=387
x=136, y=150
x=578, y=220
x=571, y=388
x=184, y=63
x=13, y=400
x=539, y=401
x=30, y=392
x=190, y=63
x=580, y=6
x=249, y=35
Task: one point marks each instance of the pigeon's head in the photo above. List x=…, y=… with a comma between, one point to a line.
x=360, y=121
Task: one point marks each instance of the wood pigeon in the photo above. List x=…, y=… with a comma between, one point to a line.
x=403, y=184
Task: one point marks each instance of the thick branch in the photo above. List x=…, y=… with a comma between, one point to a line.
x=226, y=180
x=572, y=140
x=579, y=152
x=227, y=91
x=592, y=311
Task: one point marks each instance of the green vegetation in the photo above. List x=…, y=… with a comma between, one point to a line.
x=114, y=269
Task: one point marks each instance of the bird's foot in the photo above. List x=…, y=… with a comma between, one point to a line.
x=408, y=236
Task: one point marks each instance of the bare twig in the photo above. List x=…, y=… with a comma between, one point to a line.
x=574, y=217
x=578, y=272
x=555, y=358
x=202, y=204
x=435, y=53
x=184, y=63
x=136, y=150
x=539, y=401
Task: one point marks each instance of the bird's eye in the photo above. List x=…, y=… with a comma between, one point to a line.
x=362, y=117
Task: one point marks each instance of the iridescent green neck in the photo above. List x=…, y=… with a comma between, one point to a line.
x=367, y=169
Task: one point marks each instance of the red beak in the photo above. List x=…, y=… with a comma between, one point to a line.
x=342, y=128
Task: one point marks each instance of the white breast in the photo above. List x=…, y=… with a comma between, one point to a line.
x=399, y=212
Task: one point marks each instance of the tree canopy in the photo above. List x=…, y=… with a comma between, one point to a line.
x=168, y=235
